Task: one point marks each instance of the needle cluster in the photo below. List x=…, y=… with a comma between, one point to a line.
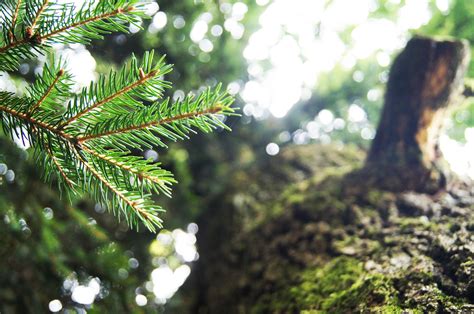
x=84, y=140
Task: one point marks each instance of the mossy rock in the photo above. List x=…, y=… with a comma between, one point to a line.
x=313, y=243
x=341, y=286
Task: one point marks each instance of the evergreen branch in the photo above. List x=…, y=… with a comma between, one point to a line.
x=169, y=120
x=108, y=99
x=57, y=160
x=30, y=30
x=87, y=21
x=136, y=203
x=47, y=93
x=59, y=167
x=120, y=194
x=118, y=93
x=30, y=120
x=146, y=127
x=150, y=174
x=84, y=140
x=62, y=24
x=78, y=24
x=14, y=19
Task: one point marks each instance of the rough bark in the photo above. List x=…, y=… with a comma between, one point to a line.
x=285, y=249
x=425, y=80
x=305, y=232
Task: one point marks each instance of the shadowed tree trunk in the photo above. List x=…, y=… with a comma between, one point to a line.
x=425, y=80
x=302, y=231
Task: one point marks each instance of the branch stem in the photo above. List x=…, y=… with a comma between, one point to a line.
x=104, y=181
x=37, y=17
x=41, y=38
x=40, y=124
x=60, y=168
x=124, y=90
x=150, y=124
x=125, y=167
x=14, y=18
x=48, y=91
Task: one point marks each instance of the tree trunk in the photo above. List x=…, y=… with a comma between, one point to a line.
x=425, y=80
x=300, y=232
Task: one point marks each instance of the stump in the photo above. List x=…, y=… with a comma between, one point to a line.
x=305, y=233
x=425, y=80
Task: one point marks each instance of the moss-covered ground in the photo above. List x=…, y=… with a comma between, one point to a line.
x=310, y=238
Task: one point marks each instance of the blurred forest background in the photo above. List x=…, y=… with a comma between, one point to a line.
x=302, y=71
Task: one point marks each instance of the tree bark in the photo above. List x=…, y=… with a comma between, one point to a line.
x=425, y=80
x=300, y=232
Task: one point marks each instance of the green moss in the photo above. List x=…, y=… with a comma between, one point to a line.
x=301, y=194
x=300, y=176
x=319, y=213
x=376, y=197
x=411, y=223
x=343, y=286
x=393, y=309
x=319, y=284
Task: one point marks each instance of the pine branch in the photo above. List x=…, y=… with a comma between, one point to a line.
x=47, y=93
x=118, y=93
x=90, y=20
x=139, y=82
x=30, y=30
x=111, y=118
x=83, y=141
x=146, y=174
x=56, y=157
x=150, y=124
x=135, y=205
x=29, y=121
x=162, y=120
x=14, y=19
x=53, y=22
x=60, y=168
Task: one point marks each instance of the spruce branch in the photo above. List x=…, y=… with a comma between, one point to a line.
x=59, y=167
x=137, y=207
x=13, y=119
x=30, y=30
x=14, y=19
x=145, y=173
x=47, y=92
x=83, y=141
x=162, y=120
x=46, y=22
x=127, y=87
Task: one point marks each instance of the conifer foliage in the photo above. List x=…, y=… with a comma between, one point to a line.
x=83, y=140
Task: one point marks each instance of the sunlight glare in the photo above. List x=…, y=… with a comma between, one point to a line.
x=301, y=39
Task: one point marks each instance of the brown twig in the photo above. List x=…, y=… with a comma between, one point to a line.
x=31, y=29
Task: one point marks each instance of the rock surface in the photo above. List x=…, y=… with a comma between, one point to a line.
x=305, y=238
